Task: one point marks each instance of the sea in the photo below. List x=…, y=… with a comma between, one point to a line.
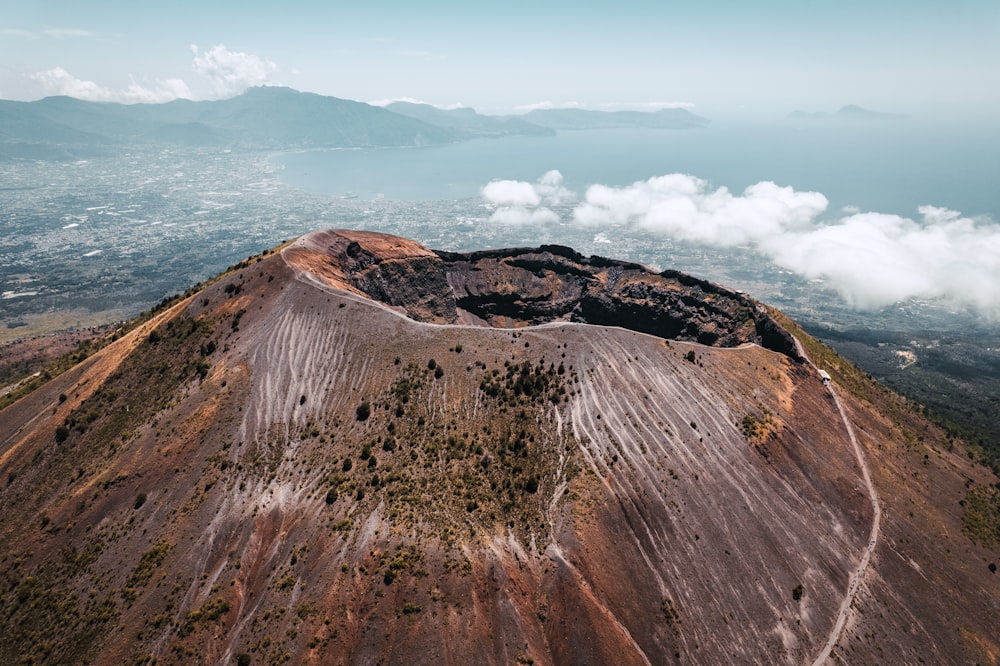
x=874, y=166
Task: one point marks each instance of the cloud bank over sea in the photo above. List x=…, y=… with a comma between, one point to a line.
x=871, y=259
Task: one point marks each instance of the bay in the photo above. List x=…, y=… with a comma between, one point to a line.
x=881, y=166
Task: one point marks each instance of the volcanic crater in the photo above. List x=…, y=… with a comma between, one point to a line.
x=357, y=450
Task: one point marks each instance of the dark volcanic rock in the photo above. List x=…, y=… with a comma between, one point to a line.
x=528, y=286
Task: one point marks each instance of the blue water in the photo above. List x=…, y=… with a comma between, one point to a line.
x=889, y=167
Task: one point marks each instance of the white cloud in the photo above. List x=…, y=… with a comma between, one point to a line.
x=685, y=207
x=551, y=190
x=163, y=91
x=511, y=193
x=524, y=108
x=228, y=72
x=517, y=202
x=231, y=72
x=57, y=81
x=870, y=259
x=873, y=259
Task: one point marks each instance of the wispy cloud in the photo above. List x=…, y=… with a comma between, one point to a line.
x=548, y=104
x=68, y=33
x=231, y=72
x=871, y=259
x=604, y=106
x=57, y=81
x=415, y=53
x=644, y=106
x=26, y=35
x=50, y=33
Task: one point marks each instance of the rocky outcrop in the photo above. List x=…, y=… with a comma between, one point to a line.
x=529, y=286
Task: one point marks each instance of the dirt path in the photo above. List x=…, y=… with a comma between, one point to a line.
x=859, y=572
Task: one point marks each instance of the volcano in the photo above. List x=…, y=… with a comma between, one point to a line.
x=356, y=450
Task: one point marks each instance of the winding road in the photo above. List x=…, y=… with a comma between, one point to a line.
x=859, y=572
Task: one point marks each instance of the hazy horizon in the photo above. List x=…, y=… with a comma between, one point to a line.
x=725, y=59
x=893, y=208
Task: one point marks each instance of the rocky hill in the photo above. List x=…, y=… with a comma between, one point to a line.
x=269, y=118
x=358, y=450
x=279, y=118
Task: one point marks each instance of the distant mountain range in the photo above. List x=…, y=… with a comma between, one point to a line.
x=849, y=112
x=466, y=122
x=576, y=119
x=280, y=118
x=259, y=118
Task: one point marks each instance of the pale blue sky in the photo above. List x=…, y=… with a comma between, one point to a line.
x=723, y=57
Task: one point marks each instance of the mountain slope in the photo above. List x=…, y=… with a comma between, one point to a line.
x=333, y=453
x=589, y=119
x=468, y=122
x=269, y=117
x=851, y=112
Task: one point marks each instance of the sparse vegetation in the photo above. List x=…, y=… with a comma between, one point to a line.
x=981, y=515
x=409, y=608
x=523, y=384
x=756, y=428
x=669, y=613
x=44, y=604
x=143, y=571
x=210, y=612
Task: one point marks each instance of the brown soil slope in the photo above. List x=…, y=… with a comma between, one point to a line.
x=361, y=451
